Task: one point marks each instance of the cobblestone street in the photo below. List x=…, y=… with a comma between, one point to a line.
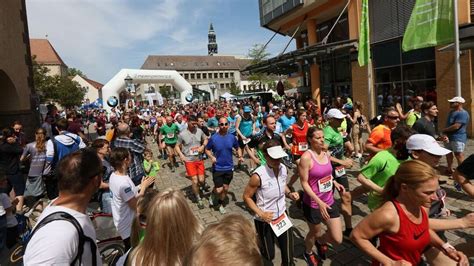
x=347, y=253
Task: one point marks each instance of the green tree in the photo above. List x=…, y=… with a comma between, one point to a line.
x=258, y=54
x=72, y=72
x=165, y=91
x=234, y=88
x=62, y=90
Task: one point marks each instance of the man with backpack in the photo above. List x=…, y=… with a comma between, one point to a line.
x=64, y=234
x=57, y=148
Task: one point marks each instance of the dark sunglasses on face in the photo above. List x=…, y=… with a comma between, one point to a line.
x=223, y=124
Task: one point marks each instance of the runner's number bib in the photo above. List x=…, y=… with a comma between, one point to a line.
x=303, y=146
x=340, y=171
x=281, y=224
x=325, y=184
x=170, y=135
x=194, y=151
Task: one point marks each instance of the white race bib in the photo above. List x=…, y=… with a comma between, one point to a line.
x=340, y=171
x=325, y=184
x=303, y=146
x=281, y=224
x=194, y=151
x=170, y=135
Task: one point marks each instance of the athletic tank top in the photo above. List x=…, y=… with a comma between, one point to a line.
x=320, y=180
x=246, y=126
x=271, y=193
x=300, y=144
x=409, y=242
x=232, y=124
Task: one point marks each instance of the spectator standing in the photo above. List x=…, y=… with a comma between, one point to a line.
x=456, y=131
x=10, y=152
x=54, y=240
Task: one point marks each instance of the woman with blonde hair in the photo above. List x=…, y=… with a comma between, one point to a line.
x=232, y=241
x=401, y=223
x=36, y=153
x=171, y=230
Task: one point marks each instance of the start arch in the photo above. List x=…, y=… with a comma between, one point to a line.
x=117, y=83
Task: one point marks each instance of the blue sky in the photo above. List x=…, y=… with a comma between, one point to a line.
x=100, y=37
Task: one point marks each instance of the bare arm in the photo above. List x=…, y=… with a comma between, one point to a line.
x=367, y=183
x=249, y=192
x=450, y=224
x=371, y=147
x=465, y=183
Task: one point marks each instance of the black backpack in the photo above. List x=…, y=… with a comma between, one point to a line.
x=64, y=216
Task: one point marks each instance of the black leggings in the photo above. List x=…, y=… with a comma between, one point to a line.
x=267, y=244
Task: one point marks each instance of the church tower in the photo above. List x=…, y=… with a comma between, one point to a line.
x=212, y=45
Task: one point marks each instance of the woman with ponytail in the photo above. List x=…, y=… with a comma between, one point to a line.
x=401, y=222
x=36, y=153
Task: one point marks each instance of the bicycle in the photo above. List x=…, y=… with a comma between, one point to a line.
x=109, y=243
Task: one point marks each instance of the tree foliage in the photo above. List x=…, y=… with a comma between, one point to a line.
x=72, y=72
x=166, y=92
x=257, y=54
x=58, y=89
x=234, y=88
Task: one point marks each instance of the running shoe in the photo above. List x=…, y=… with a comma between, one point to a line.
x=322, y=250
x=173, y=169
x=310, y=259
x=212, y=200
x=200, y=204
x=222, y=209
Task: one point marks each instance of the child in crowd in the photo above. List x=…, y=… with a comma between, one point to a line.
x=8, y=222
x=150, y=166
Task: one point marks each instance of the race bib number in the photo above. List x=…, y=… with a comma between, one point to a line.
x=340, y=171
x=281, y=224
x=194, y=151
x=325, y=184
x=170, y=135
x=303, y=146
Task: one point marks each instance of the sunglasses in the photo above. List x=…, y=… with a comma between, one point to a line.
x=223, y=124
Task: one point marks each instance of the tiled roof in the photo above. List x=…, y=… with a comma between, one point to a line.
x=45, y=52
x=94, y=83
x=194, y=63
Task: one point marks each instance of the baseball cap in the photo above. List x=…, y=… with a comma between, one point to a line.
x=457, y=99
x=426, y=143
x=276, y=152
x=335, y=113
x=247, y=109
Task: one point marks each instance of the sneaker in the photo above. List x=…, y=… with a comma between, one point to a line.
x=200, y=204
x=322, y=250
x=176, y=164
x=173, y=169
x=347, y=233
x=310, y=259
x=212, y=200
x=222, y=209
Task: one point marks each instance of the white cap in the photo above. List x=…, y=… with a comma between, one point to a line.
x=276, y=152
x=457, y=99
x=426, y=143
x=335, y=113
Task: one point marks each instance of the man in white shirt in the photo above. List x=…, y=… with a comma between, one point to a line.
x=57, y=242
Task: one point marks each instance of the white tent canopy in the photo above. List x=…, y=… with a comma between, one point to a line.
x=117, y=83
x=227, y=96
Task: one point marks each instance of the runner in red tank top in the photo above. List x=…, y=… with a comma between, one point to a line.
x=401, y=222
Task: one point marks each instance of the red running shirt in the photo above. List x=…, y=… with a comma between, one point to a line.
x=409, y=242
x=300, y=143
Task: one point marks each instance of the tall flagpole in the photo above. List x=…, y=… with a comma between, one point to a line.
x=457, y=68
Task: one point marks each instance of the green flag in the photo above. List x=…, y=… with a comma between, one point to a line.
x=364, y=42
x=431, y=24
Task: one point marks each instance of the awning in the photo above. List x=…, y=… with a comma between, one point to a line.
x=287, y=63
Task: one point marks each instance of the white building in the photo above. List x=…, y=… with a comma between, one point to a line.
x=93, y=88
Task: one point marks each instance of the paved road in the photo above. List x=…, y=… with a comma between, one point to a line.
x=345, y=254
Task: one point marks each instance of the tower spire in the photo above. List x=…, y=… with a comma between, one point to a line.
x=212, y=44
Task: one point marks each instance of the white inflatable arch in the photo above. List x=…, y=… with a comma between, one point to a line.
x=117, y=83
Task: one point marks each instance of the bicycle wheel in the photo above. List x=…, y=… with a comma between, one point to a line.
x=111, y=251
x=17, y=254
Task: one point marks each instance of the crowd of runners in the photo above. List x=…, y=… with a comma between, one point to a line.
x=276, y=143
